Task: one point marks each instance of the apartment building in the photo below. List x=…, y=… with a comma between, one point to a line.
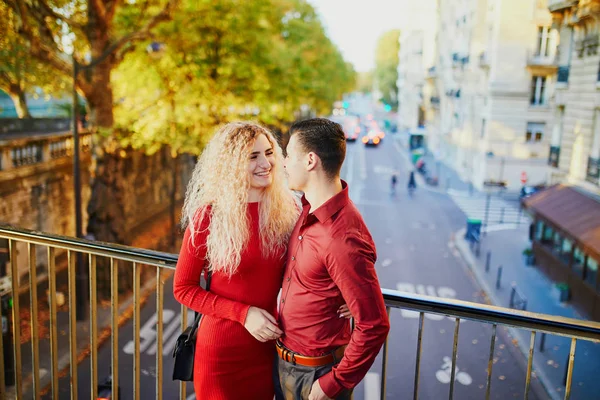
x=496, y=62
x=575, y=143
x=417, y=65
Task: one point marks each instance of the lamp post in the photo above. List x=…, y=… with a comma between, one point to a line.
x=81, y=289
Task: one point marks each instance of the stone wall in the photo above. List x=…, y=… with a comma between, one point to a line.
x=37, y=194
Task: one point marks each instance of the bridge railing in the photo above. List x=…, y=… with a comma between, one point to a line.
x=112, y=255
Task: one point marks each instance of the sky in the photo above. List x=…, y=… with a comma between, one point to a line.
x=355, y=25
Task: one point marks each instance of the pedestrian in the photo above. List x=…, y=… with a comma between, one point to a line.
x=394, y=182
x=412, y=183
x=330, y=260
x=238, y=215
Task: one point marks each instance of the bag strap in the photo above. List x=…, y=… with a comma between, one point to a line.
x=198, y=315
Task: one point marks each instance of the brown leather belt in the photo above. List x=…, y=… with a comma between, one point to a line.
x=295, y=358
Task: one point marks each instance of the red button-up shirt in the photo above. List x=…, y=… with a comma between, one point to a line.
x=331, y=261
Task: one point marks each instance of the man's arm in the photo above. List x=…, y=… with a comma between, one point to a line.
x=351, y=265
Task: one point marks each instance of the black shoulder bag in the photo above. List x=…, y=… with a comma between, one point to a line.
x=183, y=354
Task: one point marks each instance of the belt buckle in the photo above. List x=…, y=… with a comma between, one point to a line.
x=288, y=355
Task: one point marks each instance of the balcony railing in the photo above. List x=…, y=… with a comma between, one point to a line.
x=593, y=170
x=30, y=150
x=34, y=125
x=554, y=156
x=557, y=5
x=562, y=75
x=457, y=310
x=535, y=59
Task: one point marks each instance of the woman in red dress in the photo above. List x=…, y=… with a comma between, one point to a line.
x=239, y=215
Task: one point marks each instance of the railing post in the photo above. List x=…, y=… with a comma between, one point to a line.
x=487, y=261
x=384, y=362
x=487, y=212
x=542, y=342
x=498, y=277
x=512, y=296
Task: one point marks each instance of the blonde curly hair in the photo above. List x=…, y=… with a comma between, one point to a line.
x=221, y=180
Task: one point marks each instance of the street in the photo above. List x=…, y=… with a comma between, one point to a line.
x=413, y=236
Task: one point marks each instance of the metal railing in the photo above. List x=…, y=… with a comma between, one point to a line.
x=459, y=310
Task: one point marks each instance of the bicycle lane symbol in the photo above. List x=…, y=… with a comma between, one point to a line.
x=443, y=375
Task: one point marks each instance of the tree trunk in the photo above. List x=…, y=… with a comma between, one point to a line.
x=18, y=97
x=106, y=215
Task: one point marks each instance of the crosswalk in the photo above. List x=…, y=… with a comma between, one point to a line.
x=499, y=211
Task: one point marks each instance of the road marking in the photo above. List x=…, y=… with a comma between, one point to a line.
x=428, y=290
x=372, y=386
x=148, y=345
x=363, y=163
x=386, y=263
x=383, y=170
x=443, y=375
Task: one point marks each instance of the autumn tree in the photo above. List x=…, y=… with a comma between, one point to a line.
x=21, y=75
x=386, y=67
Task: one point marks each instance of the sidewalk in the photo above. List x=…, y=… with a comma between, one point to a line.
x=506, y=244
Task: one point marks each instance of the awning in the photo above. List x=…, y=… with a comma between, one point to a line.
x=571, y=210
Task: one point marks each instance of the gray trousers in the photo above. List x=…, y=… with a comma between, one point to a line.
x=293, y=382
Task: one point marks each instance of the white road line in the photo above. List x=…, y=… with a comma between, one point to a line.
x=350, y=175
x=363, y=163
x=372, y=386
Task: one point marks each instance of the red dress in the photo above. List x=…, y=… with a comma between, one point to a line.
x=230, y=364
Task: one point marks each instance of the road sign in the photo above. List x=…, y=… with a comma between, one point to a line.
x=523, y=177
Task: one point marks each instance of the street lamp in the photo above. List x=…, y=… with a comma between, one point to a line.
x=81, y=286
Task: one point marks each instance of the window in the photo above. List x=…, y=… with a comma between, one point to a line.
x=595, y=151
x=557, y=243
x=535, y=132
x=591, y=271
x=548, y=234
x=538, y=91
x=565, y=253
x=539, y=229
x=543, y=41
x=578, y=262
x=482, y=128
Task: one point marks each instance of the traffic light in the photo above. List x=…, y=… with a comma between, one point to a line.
x=387, y=108
x=345, y=104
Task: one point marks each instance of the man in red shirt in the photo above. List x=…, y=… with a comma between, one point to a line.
x=331, y=261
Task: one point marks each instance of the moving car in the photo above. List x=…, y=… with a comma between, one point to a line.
x=352, y=133
x=371, y=139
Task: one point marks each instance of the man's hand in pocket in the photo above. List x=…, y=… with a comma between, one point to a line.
x=316, y=393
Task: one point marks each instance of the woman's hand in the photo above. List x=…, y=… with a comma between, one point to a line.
x=261, y=325
x=344, y=311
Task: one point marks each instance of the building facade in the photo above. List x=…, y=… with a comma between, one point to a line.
x=495, y=64
x=575, y=144
x=417, y=65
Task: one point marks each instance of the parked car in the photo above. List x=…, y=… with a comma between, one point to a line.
x=527, y=191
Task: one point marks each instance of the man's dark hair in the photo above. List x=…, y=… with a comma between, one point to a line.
x=326, y=139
